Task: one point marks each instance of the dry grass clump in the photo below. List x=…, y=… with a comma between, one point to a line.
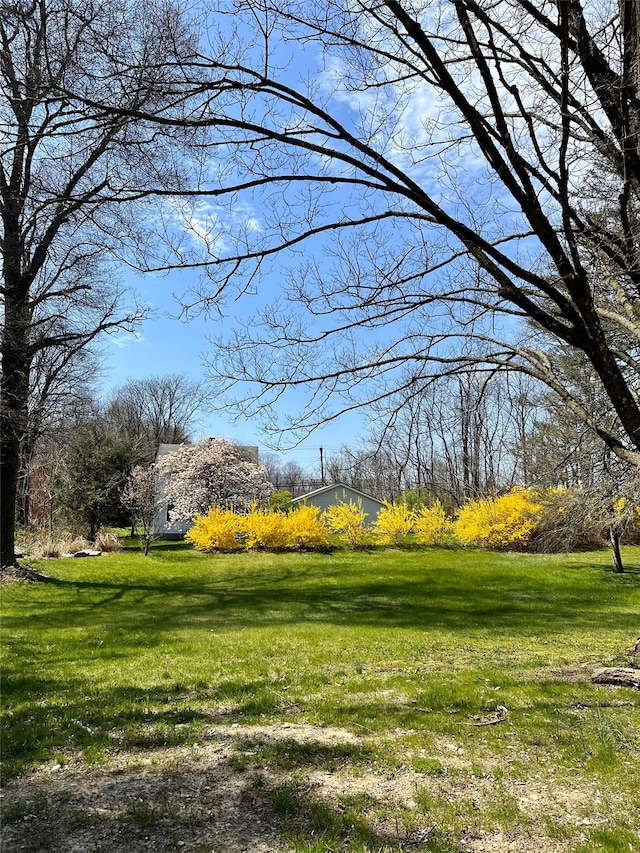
x=50, y=548
x=60, y=547
x=53, y=548
x=72, y=546
x=107, y=541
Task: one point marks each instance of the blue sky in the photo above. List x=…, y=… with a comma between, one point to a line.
x=166, y=345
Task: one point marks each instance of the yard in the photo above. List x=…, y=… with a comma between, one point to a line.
x=426, y=700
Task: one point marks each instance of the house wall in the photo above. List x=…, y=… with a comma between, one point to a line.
x=327, y=497
x=165, y=528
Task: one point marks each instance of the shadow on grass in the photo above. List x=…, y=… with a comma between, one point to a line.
x=54, y=720
x=131, y=718
x=118, y=718
x=144, y=612
x=98, y=624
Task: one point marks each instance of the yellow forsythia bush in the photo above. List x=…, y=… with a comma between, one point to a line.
x=431, y=524
x=224, y=530
x=264, y=529
x=503, y=522
x=216, y=531
x=347, y=519
x=393, y=524
x=305, y=531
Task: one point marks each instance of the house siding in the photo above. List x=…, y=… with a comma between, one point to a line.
x=340, y=493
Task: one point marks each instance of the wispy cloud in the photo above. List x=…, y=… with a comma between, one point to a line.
x=124, y=340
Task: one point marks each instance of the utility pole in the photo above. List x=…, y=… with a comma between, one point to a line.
x=321, y=468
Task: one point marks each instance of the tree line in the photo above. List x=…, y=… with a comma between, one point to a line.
x=470, y=440
x=74, y=475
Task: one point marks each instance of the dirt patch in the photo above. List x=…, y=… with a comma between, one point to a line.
x=198, y=799
x=190, y=800
x=21, y=573
x=576, y=673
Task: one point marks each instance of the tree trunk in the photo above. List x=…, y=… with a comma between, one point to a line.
x=14, y=395
x=9, y=477
x=614, y=539
x=16, y=360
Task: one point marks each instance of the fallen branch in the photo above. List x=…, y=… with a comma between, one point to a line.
x=618, y=675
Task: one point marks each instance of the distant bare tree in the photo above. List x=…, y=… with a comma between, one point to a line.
x=463, y=437
x=273, y=468
x=291, y=477
x=369, y=468
x=158, y=409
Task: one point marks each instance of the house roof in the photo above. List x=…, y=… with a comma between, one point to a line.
x=250, y=451
x=163, y=449
x=324, y=489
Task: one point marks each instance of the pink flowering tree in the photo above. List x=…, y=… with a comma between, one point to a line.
x=212, y=473
x=141, y=499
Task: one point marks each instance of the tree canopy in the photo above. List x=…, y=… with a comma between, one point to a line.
x=72, y=183
x=212, y=473
x=448, y=184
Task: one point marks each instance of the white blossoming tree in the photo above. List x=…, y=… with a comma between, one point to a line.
x=213, y=472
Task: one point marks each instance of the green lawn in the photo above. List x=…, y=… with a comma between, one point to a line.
x=405, y=658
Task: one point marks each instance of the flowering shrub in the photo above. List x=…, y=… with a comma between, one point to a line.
x=222, y=530
x=431, y=525
x=264, y=529
x=348, y=520
x=216, y=531
x=503, y=522
x=140, y=498
x=213, y=472
x=394, y=523
x=305, y=531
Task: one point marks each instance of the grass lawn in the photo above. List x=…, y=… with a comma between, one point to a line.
x=434, y=700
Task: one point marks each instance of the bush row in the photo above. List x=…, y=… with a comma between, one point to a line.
x=307, y=529
x=225, y=530
x=548, y=519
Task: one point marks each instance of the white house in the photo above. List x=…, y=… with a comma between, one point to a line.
x=339, y=493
